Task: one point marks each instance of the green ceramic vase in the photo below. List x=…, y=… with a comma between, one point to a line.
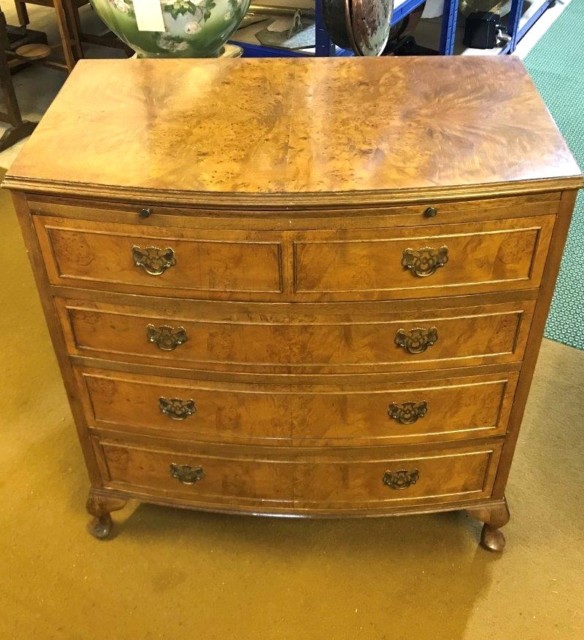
x=194, y=28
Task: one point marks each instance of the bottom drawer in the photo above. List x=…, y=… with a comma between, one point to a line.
x=357, y=481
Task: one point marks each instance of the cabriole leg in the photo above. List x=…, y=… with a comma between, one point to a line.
x=100, y=507
x=494, y=518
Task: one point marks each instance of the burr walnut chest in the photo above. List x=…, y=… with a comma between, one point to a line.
x=309, y=287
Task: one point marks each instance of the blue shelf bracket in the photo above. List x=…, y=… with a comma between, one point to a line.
x=448, y=34
x=323, y=44
x=513, y=23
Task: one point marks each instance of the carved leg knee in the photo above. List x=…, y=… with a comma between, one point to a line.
x=494, y=518
x=100, y=507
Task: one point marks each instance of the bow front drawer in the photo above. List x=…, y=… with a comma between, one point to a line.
x=160, y=261
x=424, y=262
x=213, y=336
x=428, y=410
x=319, y=482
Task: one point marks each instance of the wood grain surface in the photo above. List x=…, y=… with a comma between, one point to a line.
x=258, y=131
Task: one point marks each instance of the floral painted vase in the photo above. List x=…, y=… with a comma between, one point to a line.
x=194, y=28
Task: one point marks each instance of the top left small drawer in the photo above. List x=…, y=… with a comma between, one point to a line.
x=176, y=262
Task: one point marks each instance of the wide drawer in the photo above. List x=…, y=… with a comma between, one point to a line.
x=208, y=337
x=422, y=262
x=319, y=482
x=159, y=260
x=303, y=415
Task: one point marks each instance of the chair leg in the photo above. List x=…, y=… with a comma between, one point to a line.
x=67, y=40
x=21, y=13
x=76, y=27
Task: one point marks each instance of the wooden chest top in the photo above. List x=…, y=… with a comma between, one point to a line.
x=281, y=132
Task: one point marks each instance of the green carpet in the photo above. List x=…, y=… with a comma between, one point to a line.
x=556, y=65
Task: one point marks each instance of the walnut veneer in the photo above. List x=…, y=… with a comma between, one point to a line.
x=304, y=287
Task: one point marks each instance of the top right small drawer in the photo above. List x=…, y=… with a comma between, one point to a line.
x=423, y=261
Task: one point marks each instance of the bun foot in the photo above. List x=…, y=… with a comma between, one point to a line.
x=100, y=506
x=494, y=518
x=100, y=528
x=492, y=539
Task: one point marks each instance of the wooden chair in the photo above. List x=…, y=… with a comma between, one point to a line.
x=10, y=114
x=69, y=25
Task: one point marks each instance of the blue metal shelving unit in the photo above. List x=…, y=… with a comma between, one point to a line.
x=325, y=47
x=517, y=30
x=448, y=35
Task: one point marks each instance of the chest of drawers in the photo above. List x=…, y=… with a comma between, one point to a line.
x=297, y=287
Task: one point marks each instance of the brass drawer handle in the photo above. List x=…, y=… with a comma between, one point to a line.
x=177, y=409
x=401, y=479
x=416, y=340
x=430, y=212
x=165, y=337
x=408, y=412
x=153, y=260
x=186, y=474
x=424, y=262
